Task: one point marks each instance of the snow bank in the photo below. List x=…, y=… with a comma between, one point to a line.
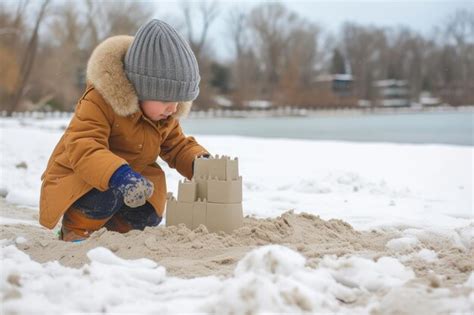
x=269, y=279
x=367, y=274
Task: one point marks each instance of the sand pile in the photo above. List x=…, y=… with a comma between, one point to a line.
x=187, y=253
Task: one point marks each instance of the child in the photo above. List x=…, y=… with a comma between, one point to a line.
x=103, y=171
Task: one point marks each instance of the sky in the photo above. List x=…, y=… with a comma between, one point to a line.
x=421, y=15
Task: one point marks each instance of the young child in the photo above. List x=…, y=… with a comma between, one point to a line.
x=103, y=171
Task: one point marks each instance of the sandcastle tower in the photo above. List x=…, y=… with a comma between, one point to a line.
x=213, y=197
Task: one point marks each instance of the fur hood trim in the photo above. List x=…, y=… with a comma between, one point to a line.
x=106, y=73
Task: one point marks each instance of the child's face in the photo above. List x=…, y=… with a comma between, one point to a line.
x=157, y=110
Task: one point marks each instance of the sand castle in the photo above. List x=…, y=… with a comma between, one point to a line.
x=213, y=197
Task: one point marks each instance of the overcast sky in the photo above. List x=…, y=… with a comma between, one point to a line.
x=420, y=15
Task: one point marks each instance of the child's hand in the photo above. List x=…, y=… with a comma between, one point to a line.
x=136, y=191
x=135, y=188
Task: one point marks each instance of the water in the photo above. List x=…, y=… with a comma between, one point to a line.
x=428, y=128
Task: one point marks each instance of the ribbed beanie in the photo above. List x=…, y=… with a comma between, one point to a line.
x=161, y=65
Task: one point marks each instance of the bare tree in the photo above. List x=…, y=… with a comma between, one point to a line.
x=28, y=60
x=277, y=54
x=11, y=25
x=12, y=28
x=270, y=24
x=245, y=74
x=208, y=11
x=75, y=30
x=299, y=72
x=458, y=58
x=365, y=48
x=67, y=29
x=237, y=24
x=404, y=57
x=93, y=12
x=286, y=46
x=108, y=18
x=459, y=28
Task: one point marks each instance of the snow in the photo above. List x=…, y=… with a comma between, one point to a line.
x=17, y=221
x=222, y=101
x=369, y=185
x=427, y=255
x=402, y=244
x=367, y=274
x=390, y=82
x=20, y=240
x=426, y=99
x=105, y=256
x=339, y=77
x=416, y=190
x=269, y=279
x=470, y=282
x=258, y=104
x=271, y=259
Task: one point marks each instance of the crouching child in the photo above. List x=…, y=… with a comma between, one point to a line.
x=103, y=172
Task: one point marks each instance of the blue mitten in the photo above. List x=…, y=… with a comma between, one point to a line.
x=135, y=188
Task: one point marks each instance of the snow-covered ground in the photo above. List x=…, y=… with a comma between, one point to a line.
x=367, y=185
x=415, y=190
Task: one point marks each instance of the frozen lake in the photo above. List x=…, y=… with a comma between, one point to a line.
x=425, y=128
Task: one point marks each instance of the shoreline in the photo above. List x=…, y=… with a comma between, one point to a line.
x=280, y=112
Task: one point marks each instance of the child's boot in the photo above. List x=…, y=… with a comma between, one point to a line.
x=139, y=218
x=76, y=226
x=118, y=224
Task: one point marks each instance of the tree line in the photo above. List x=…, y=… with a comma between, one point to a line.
x=277, y=55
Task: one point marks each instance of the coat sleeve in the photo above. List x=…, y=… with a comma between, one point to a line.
x=87, y=145
x=179, y=151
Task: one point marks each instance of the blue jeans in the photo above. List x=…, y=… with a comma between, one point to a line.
x=98, y=205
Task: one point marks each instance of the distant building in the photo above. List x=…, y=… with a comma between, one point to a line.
x=334, y=90
x=427, y=99
x=391, y=93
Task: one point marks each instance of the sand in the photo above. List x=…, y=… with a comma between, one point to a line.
x=188, y=254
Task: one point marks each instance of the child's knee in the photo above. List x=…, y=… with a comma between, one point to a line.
x=100, y=205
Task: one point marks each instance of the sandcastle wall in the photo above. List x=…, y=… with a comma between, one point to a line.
x=213, y=197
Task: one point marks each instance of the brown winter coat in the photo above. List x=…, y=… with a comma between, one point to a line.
x=108, y=129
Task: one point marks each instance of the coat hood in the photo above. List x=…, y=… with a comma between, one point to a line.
x=106, y=73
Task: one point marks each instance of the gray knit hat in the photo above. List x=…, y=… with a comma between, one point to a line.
x=161, y=65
